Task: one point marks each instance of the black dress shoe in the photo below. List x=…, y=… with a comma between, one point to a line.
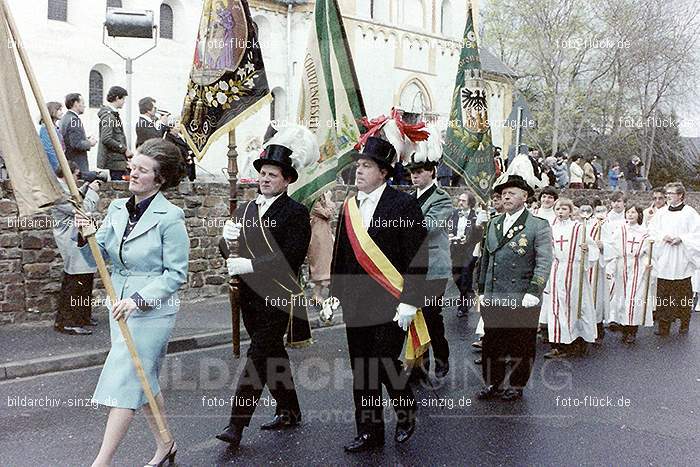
x=489, y=392
x=231, y=435
x=512, y=394
x=404, y=431
x=365, y=442
x=281, y=421
x=441, y=371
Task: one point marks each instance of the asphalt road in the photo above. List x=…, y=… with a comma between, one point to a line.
x=653, y=389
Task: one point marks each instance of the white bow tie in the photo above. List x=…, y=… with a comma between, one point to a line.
x=261, y=200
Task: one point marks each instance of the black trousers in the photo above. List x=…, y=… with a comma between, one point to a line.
x=436, y=326
x=463, y=275
x=374, y=358
x=267, y=364
x=74, y=301
x=674, y=300
x=510, y=334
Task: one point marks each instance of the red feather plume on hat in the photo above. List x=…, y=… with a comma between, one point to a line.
x=403, y=136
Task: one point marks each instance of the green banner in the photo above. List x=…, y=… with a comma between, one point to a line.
x=468, y=149
x=330, y=102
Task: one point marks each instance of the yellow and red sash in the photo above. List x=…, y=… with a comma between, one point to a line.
x=378, y=267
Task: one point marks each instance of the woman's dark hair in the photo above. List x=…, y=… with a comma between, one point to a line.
x=53, y=108
x=549, y=190
x=171, y=167
x=640, y=213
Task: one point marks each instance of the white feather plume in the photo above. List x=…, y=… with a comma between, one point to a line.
x=300, y=140
x=431, y=149
x=521, y=165
x=404, y=146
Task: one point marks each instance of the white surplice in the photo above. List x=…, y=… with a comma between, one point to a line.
x=627, y=257
x=560, y=297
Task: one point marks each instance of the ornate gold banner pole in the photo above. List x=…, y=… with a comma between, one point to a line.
x=232, y=247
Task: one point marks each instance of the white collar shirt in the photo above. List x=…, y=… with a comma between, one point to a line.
x=368, y=204
x=511, y=218
x=264, y=203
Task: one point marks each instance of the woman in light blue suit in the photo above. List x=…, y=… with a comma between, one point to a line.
x=145, y=239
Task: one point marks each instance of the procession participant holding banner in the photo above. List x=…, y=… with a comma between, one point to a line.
x=629, y=260
x=35, y=187
x=379, y=241
x=274, y=234
x=145, y=238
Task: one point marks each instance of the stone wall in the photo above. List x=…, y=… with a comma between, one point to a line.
x=31, y=267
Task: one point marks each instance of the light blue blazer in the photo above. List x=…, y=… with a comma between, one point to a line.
x=154, y=258
x=153, y=263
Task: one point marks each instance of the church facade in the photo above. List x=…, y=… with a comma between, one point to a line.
x=405, y=54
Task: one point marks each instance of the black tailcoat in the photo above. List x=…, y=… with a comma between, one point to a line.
x=374, y=340
x=265, y=300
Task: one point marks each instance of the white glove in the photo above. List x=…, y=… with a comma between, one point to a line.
x=482, y=300
x=232, y=230
x=404, y=315
x=238, y=266
x=329, y=306
x=530, y=300
x=482, y=217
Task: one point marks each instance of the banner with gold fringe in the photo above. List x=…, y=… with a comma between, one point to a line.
x=228, y=82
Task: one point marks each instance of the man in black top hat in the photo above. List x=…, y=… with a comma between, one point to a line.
x=374, y=277
x=516, y=255
x=274, y=234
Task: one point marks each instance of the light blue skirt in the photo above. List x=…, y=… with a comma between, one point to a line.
x=119, y=385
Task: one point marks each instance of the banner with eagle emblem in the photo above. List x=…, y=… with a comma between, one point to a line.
x=228, y=81
x=468, y=149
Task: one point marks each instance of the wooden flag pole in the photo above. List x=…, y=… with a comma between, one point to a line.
x=88, y=233
x=233, y=284
x=582, y=271
x=648, y=281
x=597, y=266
